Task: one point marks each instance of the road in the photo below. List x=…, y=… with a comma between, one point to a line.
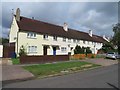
x=103, y=77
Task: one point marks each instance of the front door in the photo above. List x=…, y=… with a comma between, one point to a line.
x=54, y=50
x=45, y=50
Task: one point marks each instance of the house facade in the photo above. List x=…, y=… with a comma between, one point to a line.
x=42, y=38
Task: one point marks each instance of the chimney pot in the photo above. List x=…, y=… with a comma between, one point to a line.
x=65, y=27
x=18, y=14
x=90, y=33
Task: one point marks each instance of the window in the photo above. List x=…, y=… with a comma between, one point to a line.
x=88, y=42
x=74, y=40
x=84, y=42
x=31, y=35
x=45, y=36
x=69, y=40
x=64, y=39
x=55, y=38
x=78, y=41
x=32, y=49
x=63, y=49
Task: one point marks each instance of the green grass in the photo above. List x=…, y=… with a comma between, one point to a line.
x=56, y=68
x=15, y=61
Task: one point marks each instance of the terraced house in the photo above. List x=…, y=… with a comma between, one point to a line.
x=42, y=38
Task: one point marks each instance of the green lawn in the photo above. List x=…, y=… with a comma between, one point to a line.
x=15, y=61
x=56, y=68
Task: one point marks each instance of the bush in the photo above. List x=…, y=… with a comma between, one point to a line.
x=83, y=50
x=22, y=51
x=78, y=50
x=92, y=56
x=88, y=51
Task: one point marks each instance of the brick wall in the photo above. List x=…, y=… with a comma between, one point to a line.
x=43, y=59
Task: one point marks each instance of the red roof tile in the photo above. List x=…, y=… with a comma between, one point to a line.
x=30, y=25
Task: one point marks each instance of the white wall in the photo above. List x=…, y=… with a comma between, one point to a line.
x=39, y=41
x=13, y=31
x=1, y=50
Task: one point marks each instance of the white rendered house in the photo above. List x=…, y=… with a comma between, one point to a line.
x=41, y=38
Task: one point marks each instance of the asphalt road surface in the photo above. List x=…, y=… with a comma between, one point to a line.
x=103, y=77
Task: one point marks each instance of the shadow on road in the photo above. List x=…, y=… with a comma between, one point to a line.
x=113, y=86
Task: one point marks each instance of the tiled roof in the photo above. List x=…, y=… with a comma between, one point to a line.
x=27, y=24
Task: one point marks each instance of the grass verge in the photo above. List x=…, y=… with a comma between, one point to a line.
x=15, y=61
x=42, y=70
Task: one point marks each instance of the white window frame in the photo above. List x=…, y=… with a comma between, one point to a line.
x=45, y=37
x=32, y=49
x=69, y=40
x=63, y=49
x=31, y=35
x=64, y=39
x=55, y=38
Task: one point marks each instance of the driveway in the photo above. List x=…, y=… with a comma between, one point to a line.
x=102, y=61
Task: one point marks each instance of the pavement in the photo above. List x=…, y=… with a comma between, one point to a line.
x=11, y=73
x=102, y=61
x=103, y=77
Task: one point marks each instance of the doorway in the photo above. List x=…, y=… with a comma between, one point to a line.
x=45, y=50
x=54, y=50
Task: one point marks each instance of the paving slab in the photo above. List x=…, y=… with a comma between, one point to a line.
x=15, y=73
x=102, y=61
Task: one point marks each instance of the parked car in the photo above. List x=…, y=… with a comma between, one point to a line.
x=112, y=55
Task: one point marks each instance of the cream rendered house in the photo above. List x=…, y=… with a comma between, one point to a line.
x=41, y=38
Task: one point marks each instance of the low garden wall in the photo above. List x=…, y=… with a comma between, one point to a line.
x=83, y=56
x=43, y=59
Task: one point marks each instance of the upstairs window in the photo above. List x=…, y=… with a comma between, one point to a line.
x=84, y=42
x=55, y=38
x=78, y=41
x=64, y=39
x=69, y=40
x=74, y=40
x=45, y=36
x=31, y=35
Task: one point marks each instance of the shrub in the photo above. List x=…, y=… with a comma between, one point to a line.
x=22, y=51
x=92, y=56
x=83, y=50
x=78, y=50
x=88, y=51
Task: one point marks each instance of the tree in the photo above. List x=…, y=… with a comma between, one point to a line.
x=4, y=40
x=116, y=37
x=107, y=47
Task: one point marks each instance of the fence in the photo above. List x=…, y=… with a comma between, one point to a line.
x=43, y=59
x=8, y=50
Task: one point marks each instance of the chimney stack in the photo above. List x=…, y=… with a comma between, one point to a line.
x=90, y=33
x=65, y=27
x=18, y=14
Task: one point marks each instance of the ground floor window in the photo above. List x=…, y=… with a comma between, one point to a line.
x=32, y=49
x=63, y=49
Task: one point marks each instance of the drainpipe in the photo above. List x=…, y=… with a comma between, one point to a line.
x=17, y=42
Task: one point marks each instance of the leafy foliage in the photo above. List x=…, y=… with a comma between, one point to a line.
x=116, y=37
x=83, y=50
x=4, y=40
x=22, y=51
x=107, y=47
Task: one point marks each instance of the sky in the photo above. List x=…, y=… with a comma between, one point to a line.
x=83, y=16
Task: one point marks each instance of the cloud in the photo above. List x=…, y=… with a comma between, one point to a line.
x=97, y=16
